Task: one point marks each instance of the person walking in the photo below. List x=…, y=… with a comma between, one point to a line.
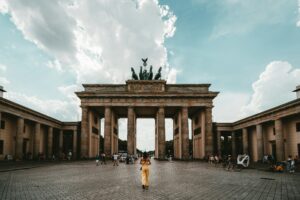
x=115, y=157
x=103, y=161
x=145, y=162
x=97, y=159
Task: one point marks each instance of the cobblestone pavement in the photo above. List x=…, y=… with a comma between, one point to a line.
x=168, y=180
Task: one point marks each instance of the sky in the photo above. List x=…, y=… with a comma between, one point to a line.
x=247, y=49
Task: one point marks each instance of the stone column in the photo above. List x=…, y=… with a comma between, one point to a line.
x=130, y=131
x=208, y=132
x=61, y=141
x=156, y=137
x=259, y=137
x=279, y=140
x=37, y=136
x=19, y=138
x=75, y=144
x=185, y=133
x=107, y=131
x=219, y=142
x=134, y=145
x=233, y=144
x=161, y=133
x=245, y=141
x=0, y=121
x=50, y=142
x=84, y=132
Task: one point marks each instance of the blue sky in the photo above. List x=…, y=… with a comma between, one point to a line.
x=248, y=50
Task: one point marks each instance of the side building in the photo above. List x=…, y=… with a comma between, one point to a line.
x=275, y=132
x=28, y=134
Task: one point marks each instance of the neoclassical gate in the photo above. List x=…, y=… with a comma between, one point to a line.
x=148, y=99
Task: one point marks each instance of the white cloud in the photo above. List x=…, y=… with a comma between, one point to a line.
x=64, y=110
x=55, y=65
x=274, y=87
x=98, y=40
x=3, y=68
x=227, y=106
x=3, y=80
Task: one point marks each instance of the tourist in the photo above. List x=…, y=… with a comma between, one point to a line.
x=97, y=159
x=217, y=160
x=70, y=155
x=289, y=163
x=145, y=162
x=115, y=157
x=229, y=163
x=103, y=161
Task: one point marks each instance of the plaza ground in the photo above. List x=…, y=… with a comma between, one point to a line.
x=168, y=180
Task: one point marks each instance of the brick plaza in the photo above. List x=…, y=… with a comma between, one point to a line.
x=168, y=180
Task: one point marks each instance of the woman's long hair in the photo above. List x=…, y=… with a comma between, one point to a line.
x=145, y=155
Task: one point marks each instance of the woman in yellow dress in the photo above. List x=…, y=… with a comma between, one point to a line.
x=145, y=162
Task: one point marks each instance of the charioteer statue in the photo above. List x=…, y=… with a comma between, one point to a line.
x=144, y=74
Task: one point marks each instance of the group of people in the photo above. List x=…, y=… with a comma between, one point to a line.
x=102, y=158
x=145, y=162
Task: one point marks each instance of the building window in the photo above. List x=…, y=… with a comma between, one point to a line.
x=2, y=126
x=1, y=147
x=95, y=120
x=197, y=131
x=298, y=127
x=274, y=132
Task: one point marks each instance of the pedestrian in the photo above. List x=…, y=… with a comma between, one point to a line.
x=229, y=163
x=289, y=163
x=115, y=157
x=103, y=161
x=145, y=162
x=70, y=155
x=97, y=159
x=217, y=160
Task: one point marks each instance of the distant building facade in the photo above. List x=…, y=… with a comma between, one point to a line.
x=27, y=134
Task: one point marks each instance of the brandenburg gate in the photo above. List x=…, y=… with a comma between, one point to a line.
x=147, y=98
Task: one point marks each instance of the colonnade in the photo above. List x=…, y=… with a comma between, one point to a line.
x=260, y=139
x=33, y=138
x=180, y=132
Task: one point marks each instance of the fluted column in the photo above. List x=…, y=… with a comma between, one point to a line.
x=185, y=133
x=233, y=144
x=259, y=137
x=50, y=142
x=208, y=131
x=131, y=131
x=279, y=140
x=161, y=133
x=84, y=132
x=107, y=131
x=37, y=136
x=19, y=138
x=75, y=144
x=219, y=142
x=245, y=141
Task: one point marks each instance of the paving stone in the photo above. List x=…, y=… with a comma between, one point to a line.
x=168, y=180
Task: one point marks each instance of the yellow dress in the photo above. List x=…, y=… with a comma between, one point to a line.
x=145, y=172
